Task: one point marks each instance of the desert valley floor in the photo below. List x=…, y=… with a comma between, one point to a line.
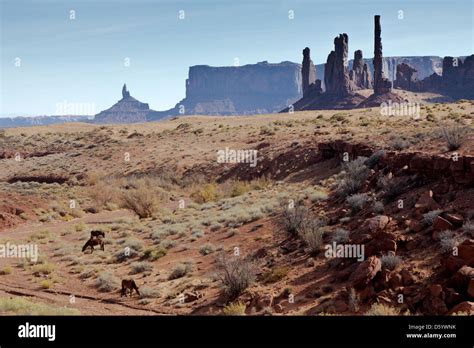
x=413, y=205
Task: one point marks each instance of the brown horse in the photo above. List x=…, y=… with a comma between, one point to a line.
x=97, y=233
x=93, y=241
x=129, y=284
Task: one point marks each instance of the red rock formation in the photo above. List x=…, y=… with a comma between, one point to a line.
x=381, y=83
x=406, y=78
x=360, y=73
x=336, y=76
x=308, y=72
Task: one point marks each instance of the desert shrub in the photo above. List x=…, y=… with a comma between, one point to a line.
x=340, y=236
x=311, y=232
x=107, y=282
x=132, y=243
x=468, y=227
x=317, y=195
x=215, y=227
x=102, y=194
x=125, y=254
x=180, y=270
x=43, y=268
x=454, y=136
x=390, y=262
x=154, y=254
x=382, y=309
x=357, y=201
x=22, y=306
x=398, y=143
x=393, y=187
x=353, y=178
x=139, y=267
x=141, y=200
x=378, y=207
x=354, y=300
x=236, y=274
x=207, y=249
x=275, y=275
x=206, y=193
x=293, y=218
x=46, y=283
x=167, y=244
x=233, y=309
x=87, y=273
x=447, y=241
x=239, y=188
x=429, y=218
x=6, y=270
x=148, y=292
x=374, y=159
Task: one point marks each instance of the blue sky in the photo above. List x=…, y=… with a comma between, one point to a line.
x=82, y=60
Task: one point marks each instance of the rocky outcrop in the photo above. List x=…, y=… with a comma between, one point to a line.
x=239, y=90
x=126, y=110
x=360, y=73
x=457, y=79
x=406, y=77
x=381, y=83
x=336, y=76
x=308, y=72
x=424, y=65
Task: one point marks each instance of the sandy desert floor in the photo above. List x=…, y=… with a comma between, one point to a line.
x=196, y=210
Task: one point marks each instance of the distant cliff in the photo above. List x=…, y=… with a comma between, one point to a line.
x=244, y=90
x=10, y=122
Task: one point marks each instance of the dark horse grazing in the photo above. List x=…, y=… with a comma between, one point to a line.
x=93, y=241
x=97, y=233
x=129, y=284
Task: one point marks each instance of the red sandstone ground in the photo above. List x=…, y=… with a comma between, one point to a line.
x=230, y=205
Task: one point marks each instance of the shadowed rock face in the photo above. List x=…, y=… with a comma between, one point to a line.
x=406, y=77
x=457, y=79
x=126, y=110
x=336, y=76
x=381, y=83
x=310, y=85
x=360, y=73
x=308, y=71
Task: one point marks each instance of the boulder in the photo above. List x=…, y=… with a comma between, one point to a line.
x=426, y=202
x=441, y=224
x=365, y=272
x=375, y=224
x=466, y=252
x=465, y=307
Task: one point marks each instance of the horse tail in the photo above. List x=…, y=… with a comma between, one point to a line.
x=85, y=246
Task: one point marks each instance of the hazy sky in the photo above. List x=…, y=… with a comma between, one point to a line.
x=83, y=60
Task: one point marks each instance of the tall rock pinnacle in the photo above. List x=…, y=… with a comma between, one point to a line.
x=381, y=84
x=360, y=73
x=125, y=93
x=308, y=71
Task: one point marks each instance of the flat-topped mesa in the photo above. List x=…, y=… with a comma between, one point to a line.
x=310, y=84
x=336, y=75
x=360, y=73
x=381, y=83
